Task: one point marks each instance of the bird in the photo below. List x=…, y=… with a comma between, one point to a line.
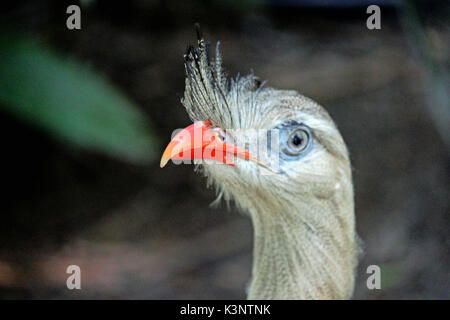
x=298, y=191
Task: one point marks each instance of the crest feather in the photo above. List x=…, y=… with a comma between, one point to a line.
x=210, y=96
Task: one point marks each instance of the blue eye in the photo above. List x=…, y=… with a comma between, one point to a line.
x=295, y=139
x=296, y=143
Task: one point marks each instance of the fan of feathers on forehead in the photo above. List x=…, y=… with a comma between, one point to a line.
x=210, y=96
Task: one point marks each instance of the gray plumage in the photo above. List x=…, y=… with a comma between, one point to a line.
x=305, y=245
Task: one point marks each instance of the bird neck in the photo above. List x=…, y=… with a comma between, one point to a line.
x=306, y=254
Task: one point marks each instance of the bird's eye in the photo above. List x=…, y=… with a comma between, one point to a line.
x=297, y=142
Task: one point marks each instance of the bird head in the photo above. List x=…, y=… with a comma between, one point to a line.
x=249, y=137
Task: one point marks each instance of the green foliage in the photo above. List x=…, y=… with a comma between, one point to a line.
x=70, y=102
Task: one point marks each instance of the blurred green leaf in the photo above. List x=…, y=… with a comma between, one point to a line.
x=70, y=102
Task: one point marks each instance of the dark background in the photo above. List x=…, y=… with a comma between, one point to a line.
x=138, y=231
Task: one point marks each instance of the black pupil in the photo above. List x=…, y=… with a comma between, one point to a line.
x=296, y=140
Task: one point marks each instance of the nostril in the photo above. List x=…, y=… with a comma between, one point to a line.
x=222, y=137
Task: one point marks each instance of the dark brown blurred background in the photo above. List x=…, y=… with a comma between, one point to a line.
x=138, y=231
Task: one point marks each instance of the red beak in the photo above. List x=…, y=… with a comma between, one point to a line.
x=202, y=141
